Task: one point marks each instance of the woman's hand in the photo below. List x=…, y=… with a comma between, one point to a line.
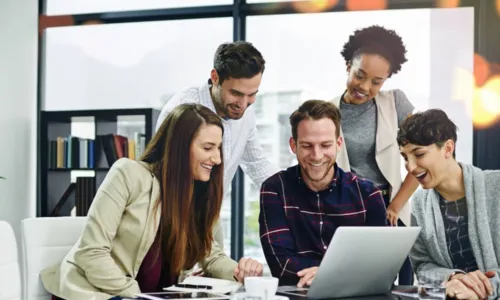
x=197, y=272
x=392, y=215
x=458, y=290
x=248, y=267
x=477, y=281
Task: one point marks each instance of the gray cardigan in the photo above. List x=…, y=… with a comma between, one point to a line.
x=430, y=257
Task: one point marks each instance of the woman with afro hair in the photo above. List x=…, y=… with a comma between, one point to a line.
x=371, y=118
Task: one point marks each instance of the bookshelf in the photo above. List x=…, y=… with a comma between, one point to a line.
x=77, y=149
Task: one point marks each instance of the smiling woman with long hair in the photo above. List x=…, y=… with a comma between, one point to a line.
x=153, y=219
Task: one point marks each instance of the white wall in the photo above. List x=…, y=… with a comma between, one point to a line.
x=18, y=73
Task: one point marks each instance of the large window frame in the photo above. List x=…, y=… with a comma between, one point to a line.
x=239, y=10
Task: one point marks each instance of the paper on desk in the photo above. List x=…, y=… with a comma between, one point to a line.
x=219, y=286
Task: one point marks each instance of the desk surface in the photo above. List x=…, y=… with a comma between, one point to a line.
x=373, y=297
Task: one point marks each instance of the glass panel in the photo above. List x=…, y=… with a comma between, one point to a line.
x=65, y=7
x=304, y=62
x=130, y=66
x=128, y=126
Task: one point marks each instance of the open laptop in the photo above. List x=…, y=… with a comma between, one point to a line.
x=359, y=261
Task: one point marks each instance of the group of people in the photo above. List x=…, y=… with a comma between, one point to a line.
x=154, y=219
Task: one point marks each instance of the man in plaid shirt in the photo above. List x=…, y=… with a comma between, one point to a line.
x=302, y=206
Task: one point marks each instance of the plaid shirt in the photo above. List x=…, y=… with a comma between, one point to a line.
x=456, y=225
x=297, y=224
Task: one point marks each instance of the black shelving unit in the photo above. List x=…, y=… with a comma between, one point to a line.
x=55, y=181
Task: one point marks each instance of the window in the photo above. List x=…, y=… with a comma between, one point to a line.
x=128, y=65
x=304, y=62
x=131, y=65
x=65, y=7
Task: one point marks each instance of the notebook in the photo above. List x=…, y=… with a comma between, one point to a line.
x=181, y=295
x=209, y=285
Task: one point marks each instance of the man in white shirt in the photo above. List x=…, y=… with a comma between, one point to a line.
x=230, y=92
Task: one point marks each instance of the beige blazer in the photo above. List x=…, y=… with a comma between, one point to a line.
x=386, y=147
x=121, y=227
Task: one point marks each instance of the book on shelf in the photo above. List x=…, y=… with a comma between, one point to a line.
x=72, y=152
x=64, y=198
x=84, y=190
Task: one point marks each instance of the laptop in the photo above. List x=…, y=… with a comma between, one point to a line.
x=360, y=261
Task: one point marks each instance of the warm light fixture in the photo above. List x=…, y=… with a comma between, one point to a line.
x=366, y=5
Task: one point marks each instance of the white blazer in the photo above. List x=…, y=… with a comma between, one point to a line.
x=386, y=147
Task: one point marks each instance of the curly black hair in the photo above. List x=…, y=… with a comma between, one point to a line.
x=376, y=40
x=426, y=128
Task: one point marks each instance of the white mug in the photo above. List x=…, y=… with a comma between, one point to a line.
x=263, y=287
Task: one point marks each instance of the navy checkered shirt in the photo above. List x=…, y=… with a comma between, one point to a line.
x=297, y=224
x=456, y=223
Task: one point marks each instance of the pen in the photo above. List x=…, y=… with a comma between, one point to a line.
x=193, y=286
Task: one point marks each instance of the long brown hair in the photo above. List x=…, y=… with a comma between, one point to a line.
x=189, y=209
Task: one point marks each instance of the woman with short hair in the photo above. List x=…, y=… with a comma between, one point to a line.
x=370, y=120
x=458, y=210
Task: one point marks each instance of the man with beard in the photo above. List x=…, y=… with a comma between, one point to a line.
x=302, y=206
x=230, y=92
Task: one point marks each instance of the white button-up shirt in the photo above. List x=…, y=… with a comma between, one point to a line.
x=240, y=144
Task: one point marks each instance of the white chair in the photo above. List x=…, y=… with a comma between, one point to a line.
x=45, y=243
x=10, y=276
